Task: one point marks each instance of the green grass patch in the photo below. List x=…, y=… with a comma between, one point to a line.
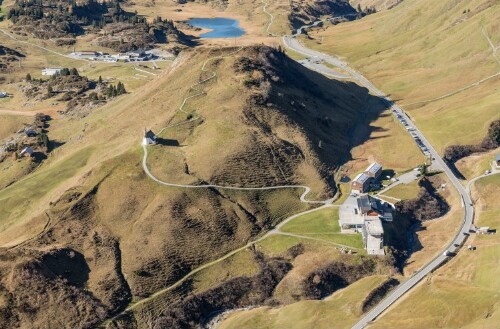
x=404, y=191
x=275, y=245
x=321, y=221
x=323, y=225
x=348, y=240
x=21, y=196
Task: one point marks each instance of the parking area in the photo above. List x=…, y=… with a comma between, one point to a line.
x=412, y=132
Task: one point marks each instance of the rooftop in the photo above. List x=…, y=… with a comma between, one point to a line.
x=361, y=178
x=374, y=227
x=374, y=168
x=149, y=134
x=349, y=213
x=364, y=203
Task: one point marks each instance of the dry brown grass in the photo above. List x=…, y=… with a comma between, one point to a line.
x=11, y=124
x=341, y=309
x=427, y=56
x=464, y=292
x=476, y=164
x=100, y=202
x=437, y=233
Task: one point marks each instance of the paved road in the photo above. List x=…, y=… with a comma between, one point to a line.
x=494, y=171
x=318, y=66
x=293, y=43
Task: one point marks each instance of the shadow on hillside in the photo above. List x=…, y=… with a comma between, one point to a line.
x=53, y=144
x=189, y=40
x=455, y=170
x=39, y=156
x=69, y=265
x=167, y=142
x=336, y=116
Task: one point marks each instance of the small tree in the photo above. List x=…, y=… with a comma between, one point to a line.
x=121, y=88
x=99, y=81
x=73, y=71
x=93, y=96
x=494, y=132
x=50, y=91
x=28, y=77
x=64, y=72
x=424, y=169
x=43, y=139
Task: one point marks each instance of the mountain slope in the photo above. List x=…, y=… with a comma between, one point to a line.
x=424, y=53
x=92, y=231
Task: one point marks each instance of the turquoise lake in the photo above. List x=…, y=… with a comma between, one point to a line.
x=221, y=27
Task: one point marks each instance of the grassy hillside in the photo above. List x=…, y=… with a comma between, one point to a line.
x=10, y=124
x=377, y=4
x=467, y=281
x=341, y=310
x=263, y=121
x=422, y=50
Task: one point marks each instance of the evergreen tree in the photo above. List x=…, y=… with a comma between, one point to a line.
x=28, y=77
x=43, y=139
x=99, y=81
x=50, y=91
x=73, y=71
x=121, y=88
x=494, y=132
x=64, y=71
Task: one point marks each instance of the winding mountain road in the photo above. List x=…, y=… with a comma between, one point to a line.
x=293, y=43
x=197, y=91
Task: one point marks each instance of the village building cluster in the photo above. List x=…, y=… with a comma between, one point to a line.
x=365, y=214
x=27, y=141
x=139, y=55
